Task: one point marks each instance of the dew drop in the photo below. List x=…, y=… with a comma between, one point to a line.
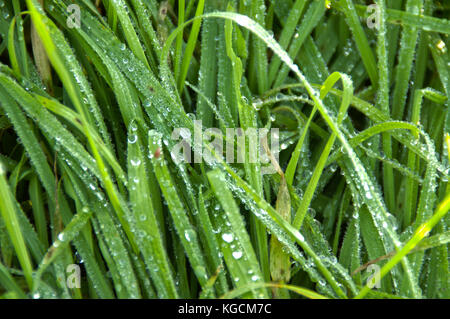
x=132, y=139
x=61, y=237
x=135, y=162
x=227, y=237
x=237, y=254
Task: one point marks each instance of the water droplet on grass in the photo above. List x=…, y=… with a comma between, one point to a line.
x=237, y=254
x=135, y=162
x=132, y=139
x=227, y=237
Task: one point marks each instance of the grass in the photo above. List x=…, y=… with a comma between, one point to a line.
x=87, y=176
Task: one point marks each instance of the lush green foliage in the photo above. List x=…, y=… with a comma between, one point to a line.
x=87, y=177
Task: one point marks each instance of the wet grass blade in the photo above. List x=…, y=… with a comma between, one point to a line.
x=235, y=242
x=147, y=225
x=185, y=231
x=9, y=216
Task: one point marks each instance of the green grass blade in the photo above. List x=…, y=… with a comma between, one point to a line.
x=9, y=216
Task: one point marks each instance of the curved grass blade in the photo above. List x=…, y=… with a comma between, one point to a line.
x=418, y=235
x=12, y=224
x=346, y=98
x=64, y=238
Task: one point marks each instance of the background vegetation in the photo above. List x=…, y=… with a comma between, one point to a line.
x=86, y=176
